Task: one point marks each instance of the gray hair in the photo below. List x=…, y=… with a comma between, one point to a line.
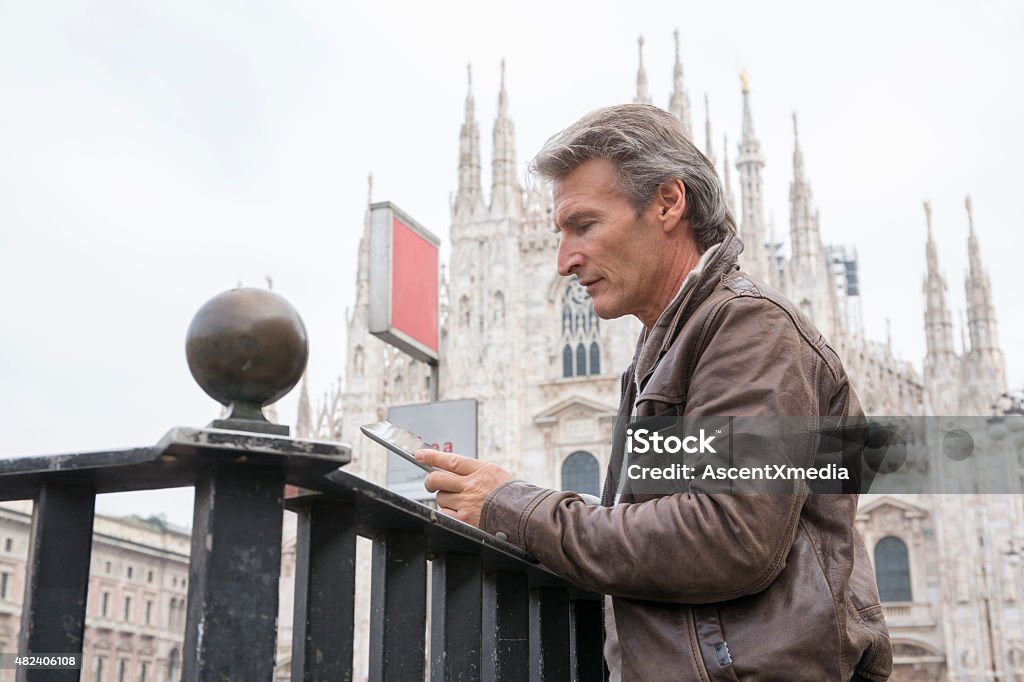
x=648, y=148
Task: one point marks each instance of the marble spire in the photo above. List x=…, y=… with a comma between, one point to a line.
x=506, y=193
x=756, y=258
x=981, y=316
x=679, y=102
x=727, y=176
x=709, y=144
x=470, y=193
x=937, y=322
x=643, y=96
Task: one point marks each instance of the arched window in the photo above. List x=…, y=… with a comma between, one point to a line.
x=567, y=361
x=892, y=569
x=173, y=665
x=580, y=473
x=580, y=330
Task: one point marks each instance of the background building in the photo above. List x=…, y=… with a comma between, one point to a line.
x=138, y=586
x=526, y=343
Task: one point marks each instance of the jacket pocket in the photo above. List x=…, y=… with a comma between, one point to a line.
x=871, y=643
x=714, y=649
x=871, y=647
x=789, y=631
x=655, y=406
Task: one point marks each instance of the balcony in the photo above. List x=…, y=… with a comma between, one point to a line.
x=908, y=615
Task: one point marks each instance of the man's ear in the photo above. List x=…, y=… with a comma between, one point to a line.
x=670, y=200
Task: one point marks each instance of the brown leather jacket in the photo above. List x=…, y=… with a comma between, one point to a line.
x=711, y=586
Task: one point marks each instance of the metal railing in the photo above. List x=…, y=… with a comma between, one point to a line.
x=494, y=613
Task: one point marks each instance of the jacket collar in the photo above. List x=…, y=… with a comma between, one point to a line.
x=721, y=263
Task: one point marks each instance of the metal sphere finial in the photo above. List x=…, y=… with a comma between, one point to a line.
x=247, y=348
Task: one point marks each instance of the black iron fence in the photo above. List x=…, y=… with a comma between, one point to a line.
x=494, y=614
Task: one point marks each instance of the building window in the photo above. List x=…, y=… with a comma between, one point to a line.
x=97, y=668
x=122, y=671
x=498, y=315
x=149, y=612
x=5, y=585
x=358, y=361
x=580, y=473
x=580, y=327
x=892, y=569
x=8, y=544
x=149, y=577
x=105, y=605
x=143, y=670
x=127, y=609
x=173, y=663
x=129, y=571
x=107, y=567
x=176, y=614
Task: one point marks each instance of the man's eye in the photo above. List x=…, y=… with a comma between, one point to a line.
x=584, y=227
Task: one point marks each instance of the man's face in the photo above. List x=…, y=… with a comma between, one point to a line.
x=614, y=253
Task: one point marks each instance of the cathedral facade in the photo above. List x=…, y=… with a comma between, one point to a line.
x=526, y=343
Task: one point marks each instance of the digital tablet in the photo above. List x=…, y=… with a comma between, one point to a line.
x=398, y=440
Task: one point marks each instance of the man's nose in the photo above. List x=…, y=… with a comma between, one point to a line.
x=569, y=258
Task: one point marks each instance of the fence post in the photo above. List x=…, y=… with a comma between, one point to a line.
x=455, y=620
x=398, y=607
x=325, y=583
x=60, y=548
x=231, y=631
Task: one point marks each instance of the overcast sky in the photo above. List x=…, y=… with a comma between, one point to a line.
x=153, y=154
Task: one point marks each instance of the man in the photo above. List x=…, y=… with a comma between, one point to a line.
x=703, y=584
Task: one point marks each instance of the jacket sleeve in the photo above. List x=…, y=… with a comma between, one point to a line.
x=694, y=547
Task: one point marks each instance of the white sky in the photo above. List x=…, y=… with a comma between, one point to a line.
x=153, y=154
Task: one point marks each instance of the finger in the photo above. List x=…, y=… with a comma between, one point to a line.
x=445, y=500
x=448, y=461
x=458, y=514
x=441, y=480
x=449, y=500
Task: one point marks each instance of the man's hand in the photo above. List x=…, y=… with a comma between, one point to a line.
x=463, y=484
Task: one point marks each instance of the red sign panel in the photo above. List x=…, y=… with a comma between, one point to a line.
x=404, y=259
x=414, y=285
